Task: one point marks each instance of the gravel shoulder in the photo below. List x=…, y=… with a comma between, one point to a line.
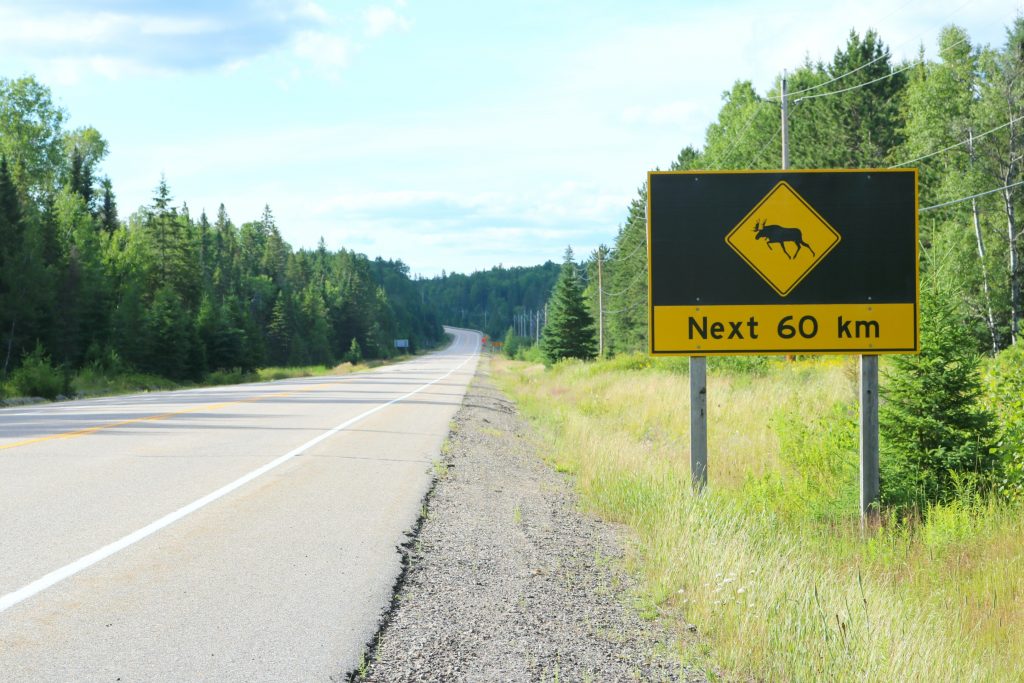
x=506, y=580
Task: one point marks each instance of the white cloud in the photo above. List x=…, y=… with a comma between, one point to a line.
x=380, y=20
x=313, y=11
x=178, y=26
x=74, y=38
x=323, y=49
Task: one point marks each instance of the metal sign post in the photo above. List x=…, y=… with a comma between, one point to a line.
x=869, y=477
x=699, y=422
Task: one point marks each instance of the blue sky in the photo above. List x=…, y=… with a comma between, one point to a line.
x=452, y=135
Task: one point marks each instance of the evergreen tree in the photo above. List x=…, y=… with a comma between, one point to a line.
x=108, y=208
x=570, y=329
x=169, y=334
x=11, y=248
x=80, y=176
x=935, y=434
x=279, y=333
x=866, y=122
x=626, y=282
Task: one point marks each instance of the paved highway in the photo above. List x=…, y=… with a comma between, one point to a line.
x=223, y=534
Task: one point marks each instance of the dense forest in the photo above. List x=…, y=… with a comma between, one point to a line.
x=959, y=119
x=167, y=292
x=492, y=300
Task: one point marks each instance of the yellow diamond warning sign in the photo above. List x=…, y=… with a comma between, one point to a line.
x=783, y=238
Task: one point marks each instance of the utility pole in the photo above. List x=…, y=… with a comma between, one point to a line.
x=600, y=304
x=785, y=142
x=785, y=124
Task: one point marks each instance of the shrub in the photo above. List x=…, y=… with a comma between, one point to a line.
x=821, y=457
x=37, y=377
x=513, y=342
x=232, y=376
x=629, y=362
x=532, y=354
x=1004, y=397
x=355, y=352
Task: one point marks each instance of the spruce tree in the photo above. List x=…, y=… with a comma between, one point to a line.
x=168, y=334
x=108, y=208
x=570, y=328
x=11, y=247
x=936, y=435
x=279, y=333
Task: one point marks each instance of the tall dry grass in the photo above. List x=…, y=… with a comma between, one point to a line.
x=770, y=564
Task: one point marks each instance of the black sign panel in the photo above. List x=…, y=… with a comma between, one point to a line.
x=835, y=250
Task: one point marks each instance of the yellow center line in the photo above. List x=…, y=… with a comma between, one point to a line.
x=154, y=418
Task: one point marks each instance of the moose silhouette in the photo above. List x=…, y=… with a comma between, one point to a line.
x=776, y=234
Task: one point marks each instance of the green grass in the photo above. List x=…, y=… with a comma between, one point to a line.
x=771, y=564
x=94, y=381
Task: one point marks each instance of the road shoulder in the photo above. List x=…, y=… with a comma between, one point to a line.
x=506, y=579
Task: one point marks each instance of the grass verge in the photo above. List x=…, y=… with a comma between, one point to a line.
x=771, y=564
x=92, y=382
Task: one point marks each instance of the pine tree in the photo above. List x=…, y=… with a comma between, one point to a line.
x=570, y=329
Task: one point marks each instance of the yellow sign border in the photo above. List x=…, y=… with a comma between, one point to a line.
x=791, y=172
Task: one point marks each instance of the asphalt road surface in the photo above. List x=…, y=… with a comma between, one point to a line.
x=232, y=533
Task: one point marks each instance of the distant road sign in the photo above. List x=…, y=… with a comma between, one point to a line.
x=401, y=343
x=783, y=261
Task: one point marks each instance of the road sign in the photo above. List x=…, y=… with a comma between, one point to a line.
x=783, y=262
x=401, y=343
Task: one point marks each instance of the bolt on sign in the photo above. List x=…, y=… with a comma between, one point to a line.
x=783, y=262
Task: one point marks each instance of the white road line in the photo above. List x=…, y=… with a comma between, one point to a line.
x=106, y=551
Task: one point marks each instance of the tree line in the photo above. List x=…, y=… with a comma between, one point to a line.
x=489, y=300
x=165, y=291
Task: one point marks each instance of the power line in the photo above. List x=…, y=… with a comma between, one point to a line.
x=640, y=245
x=619, y=293
x=910, y=65
x=760, y=152
x=881, y=57
x=862, y=66
x=860, y=85
x=743, y=132
x=627, y=308
x=963, y=142
x=973, y=196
